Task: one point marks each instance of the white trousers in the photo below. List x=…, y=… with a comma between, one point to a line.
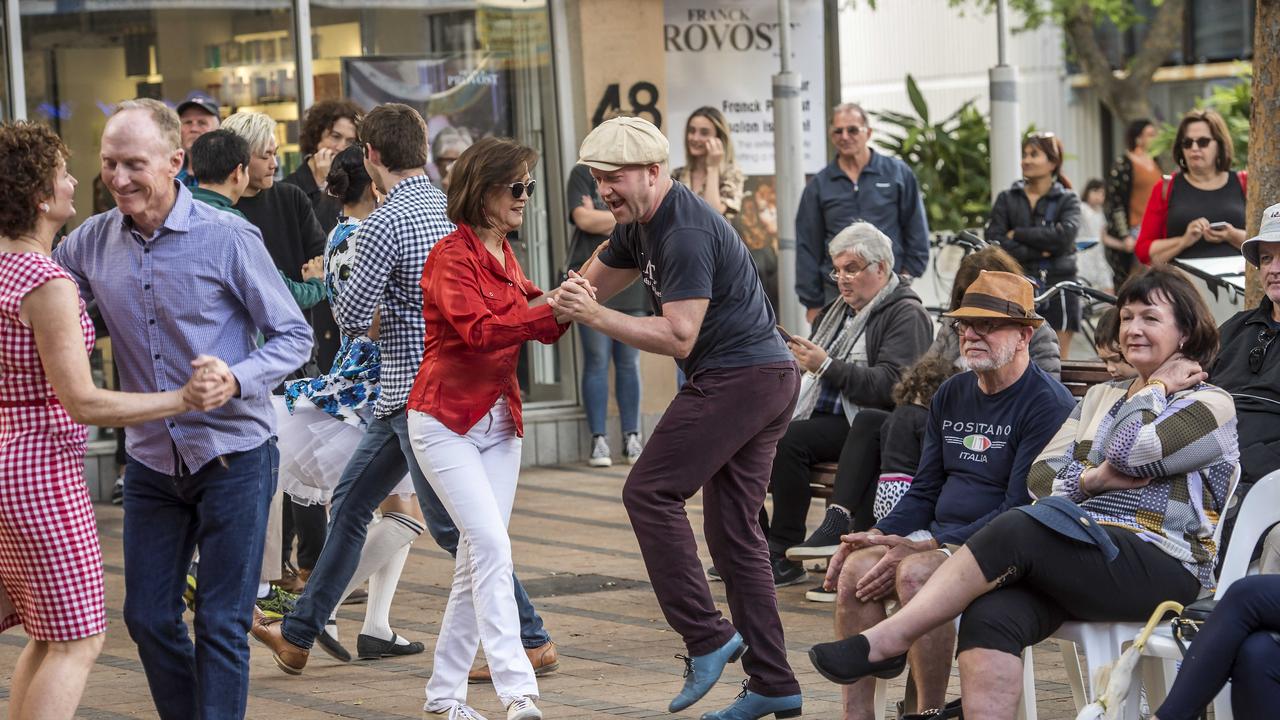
x=475, y=477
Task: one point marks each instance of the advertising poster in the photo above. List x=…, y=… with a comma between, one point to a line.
x=724, y=54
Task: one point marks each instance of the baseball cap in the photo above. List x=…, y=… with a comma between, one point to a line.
x=200, y=100
x=1269, y=232
x=623, y=141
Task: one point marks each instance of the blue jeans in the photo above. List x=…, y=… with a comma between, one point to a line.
x=376, y=466
x=222, y=510
x=596, y=351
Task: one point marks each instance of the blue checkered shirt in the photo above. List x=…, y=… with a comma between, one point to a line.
x=391, y=248
x=202, y=283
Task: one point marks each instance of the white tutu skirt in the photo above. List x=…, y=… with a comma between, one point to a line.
x=314, y=450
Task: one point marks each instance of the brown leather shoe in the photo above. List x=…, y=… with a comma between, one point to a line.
x=544, y=659
x=289, y=657
x=294, y=582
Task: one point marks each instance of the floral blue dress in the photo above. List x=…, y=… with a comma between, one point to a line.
x=352, y=382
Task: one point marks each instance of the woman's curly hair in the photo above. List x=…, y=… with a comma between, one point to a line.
x=29, y=157
x=922, y=380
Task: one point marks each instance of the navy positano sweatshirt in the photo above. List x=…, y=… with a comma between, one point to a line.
x=978, y=449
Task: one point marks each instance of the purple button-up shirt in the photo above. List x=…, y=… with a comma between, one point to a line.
x=203, y=283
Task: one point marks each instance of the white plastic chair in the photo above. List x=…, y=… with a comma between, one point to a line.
x=1103, y=642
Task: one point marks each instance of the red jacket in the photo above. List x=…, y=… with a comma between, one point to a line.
x=1156, y=218
x=477, y=316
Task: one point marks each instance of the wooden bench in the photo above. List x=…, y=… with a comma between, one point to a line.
x=1077, y=375
x=1080, y=375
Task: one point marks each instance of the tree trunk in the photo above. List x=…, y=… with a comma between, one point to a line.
x=1128, y=96
x=1264, y=131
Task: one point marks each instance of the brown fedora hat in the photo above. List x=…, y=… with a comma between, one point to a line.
x=1000, y=296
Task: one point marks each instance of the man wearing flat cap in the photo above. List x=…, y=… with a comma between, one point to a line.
x=719, y=434
x=985, y=429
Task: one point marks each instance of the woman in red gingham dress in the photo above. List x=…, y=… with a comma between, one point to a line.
x=50, y=563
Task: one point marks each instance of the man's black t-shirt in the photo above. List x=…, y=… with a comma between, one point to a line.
x=686, y=251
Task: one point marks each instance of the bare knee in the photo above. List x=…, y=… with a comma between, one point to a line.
x=855, y=567
x=914, y=572
x=82, y=651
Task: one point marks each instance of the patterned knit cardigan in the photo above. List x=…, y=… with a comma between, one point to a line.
x=1186, y=443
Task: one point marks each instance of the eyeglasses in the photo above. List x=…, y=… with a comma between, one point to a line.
x=1259, y=351
x=981, y=328
x=839, y=273
x=1200, y=142
x=851, y=131
x=519, y=189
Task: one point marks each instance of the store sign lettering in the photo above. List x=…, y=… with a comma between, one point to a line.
x=720, y=29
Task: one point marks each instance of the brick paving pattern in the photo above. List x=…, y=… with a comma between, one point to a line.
x=576, y=553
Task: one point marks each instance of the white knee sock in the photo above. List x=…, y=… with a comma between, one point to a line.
x=383, y=581
x=387, y=535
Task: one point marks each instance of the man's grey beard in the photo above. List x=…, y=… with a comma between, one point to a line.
x=996, y=359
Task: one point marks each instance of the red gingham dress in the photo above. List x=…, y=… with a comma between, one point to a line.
x=50, y=561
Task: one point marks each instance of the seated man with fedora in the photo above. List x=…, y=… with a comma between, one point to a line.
x=985, y=428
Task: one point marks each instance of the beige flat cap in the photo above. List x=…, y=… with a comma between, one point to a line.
x=623, y=141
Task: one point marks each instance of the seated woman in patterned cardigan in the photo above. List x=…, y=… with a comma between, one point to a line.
x=1131, y=491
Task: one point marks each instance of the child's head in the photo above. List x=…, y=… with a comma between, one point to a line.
x=1095, y=193
x=922, y=380
x=1106, y=342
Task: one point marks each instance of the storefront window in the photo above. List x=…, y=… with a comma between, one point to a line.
x=78, y=65
x=481, y=67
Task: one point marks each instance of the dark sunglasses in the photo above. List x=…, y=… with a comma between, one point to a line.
x=851, y=131
x=1259, y=351
x=1200, y=142
x=519, y=189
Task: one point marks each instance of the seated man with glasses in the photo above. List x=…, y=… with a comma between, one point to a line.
x=1248, y=364
x=861, y=343
x=859, y=184
x=985, y=429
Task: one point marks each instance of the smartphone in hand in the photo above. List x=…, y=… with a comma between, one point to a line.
x=786, y=336
x=1218, y=225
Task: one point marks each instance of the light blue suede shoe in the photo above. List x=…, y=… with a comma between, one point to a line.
x=750, y=706
x=702, y=671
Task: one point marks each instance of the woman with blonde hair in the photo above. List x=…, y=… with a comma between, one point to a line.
x=710, y=170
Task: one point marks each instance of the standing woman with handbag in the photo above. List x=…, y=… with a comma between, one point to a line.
x=465, y=420
x=1036, y=221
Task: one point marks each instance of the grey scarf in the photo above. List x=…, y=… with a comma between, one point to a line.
x=838, y=337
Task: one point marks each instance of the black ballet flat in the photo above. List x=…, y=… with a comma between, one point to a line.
x=846, y=661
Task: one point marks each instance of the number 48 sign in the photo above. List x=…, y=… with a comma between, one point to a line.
x=643, y=97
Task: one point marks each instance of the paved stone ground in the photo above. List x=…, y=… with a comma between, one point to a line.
x=575, y=550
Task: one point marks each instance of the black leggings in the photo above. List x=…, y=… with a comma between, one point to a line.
x=1046, y=579
x=1239, y=641
x=309, y=523
x=824, y=438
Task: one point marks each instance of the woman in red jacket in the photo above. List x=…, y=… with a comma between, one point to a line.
x=464, y=417
x=1198, y=212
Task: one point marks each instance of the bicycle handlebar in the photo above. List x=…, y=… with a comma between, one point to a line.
x=1077, y=288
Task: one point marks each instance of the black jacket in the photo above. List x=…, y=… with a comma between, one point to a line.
x=1039, y=245
x=898, y=332
x=1257, y=395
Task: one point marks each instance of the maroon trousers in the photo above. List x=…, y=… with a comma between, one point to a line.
x=719, y=435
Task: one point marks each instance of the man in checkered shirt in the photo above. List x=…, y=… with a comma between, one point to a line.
x=391, y=248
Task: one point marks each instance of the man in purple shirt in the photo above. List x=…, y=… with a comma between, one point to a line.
x=170, y=275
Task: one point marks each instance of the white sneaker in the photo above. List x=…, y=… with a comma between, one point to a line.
x=522, y=708
x=631, y=448
x=600, y=454
x=457, y=711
